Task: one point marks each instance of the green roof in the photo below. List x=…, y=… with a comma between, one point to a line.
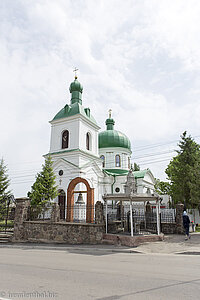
x=120, y=172
x=75, y=106
x=74, y=109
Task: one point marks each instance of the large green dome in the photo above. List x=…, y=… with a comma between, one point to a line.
x=112, y=138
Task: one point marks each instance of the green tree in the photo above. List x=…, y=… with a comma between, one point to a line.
x=5, y=193
x=183, y=172
x=44, y=188
x=162, y=187
x=136, y=167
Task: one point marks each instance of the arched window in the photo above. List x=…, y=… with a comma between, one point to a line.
x=103, y=160
x=88, y=141
x=117, y=161
x=65, y=139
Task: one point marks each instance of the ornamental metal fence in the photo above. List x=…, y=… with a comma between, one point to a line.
x=7, y=219
x=144, y=222
x=80, y=213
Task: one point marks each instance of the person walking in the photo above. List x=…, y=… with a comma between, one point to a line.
x=186, y=225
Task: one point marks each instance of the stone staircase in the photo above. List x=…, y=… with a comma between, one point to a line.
x=110, y=239
x=130, y=241
x=5, y=237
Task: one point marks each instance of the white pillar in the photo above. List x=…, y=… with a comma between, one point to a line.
x=158, y=215
x=131, y=216
x=106, y=217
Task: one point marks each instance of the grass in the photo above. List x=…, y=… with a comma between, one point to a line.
x=197, y=229
x=10, y=224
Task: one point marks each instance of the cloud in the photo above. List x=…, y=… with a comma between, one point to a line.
x=140, y=59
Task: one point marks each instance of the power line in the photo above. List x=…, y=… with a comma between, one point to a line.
x=141, y=148
x=155, y=154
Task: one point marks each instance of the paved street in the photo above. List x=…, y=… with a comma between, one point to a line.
x=101, y=273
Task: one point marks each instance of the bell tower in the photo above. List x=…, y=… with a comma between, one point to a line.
x=74, y=142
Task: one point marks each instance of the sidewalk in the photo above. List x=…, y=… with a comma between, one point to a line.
x=172, y=244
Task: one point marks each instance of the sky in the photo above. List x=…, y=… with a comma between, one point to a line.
x=139, y=58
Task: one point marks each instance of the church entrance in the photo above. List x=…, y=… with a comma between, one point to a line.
x=61, y=203
x=72, y=207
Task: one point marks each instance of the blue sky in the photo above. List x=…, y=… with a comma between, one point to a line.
x=139, y=58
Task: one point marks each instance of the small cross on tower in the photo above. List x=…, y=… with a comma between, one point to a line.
x=75, y=70
x=110, y=110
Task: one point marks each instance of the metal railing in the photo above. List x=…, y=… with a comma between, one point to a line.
x=80, y=213
x=143, y=221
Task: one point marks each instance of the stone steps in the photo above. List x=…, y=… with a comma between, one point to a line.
x=108, y=242
x=5, y=237
x=124, y=240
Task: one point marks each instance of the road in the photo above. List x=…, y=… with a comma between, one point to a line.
x=103, y=273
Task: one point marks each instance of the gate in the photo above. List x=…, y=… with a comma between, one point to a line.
x=7, y=215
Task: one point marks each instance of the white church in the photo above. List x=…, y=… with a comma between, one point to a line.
x=89, y=163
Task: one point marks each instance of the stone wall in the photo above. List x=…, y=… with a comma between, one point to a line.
x=61, y=232
x=54, y=230
x=21, y=213
x=169, y=228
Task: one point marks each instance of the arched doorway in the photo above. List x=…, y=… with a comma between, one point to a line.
x=89, y=204
x=61, y=203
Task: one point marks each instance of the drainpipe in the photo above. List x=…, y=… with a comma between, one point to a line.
x=114, y=176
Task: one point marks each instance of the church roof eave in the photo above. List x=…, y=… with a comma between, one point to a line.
x=121, y=172
x=72, y=110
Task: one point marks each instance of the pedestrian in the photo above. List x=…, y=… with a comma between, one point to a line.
x=186, y=225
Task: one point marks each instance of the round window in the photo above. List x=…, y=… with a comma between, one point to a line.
x=117, y=190
x=60, y=172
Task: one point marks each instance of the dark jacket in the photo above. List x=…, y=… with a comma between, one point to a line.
x=186, y=221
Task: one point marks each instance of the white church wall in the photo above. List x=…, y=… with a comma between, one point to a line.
x=140, y=186
x=58, y=127
x=149, y=178
x=110, y=155
x=78, y=128
x=119, y=184
x=85, y=128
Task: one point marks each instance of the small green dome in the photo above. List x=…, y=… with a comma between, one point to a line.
x=75, y=86
x=112, y=138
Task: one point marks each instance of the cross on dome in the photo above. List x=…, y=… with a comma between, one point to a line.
x=110, y=111
x=75, y=70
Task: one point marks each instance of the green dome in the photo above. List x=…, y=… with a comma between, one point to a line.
x=75, y=86
x=112, y=138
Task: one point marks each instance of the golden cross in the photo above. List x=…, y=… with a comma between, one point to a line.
x=75, y=70
x=110, y=110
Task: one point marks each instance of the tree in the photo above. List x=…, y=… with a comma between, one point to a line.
x=183, y=172
x=44, y=189
x=162, y=187
x=136, y=167
x=5, y=193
